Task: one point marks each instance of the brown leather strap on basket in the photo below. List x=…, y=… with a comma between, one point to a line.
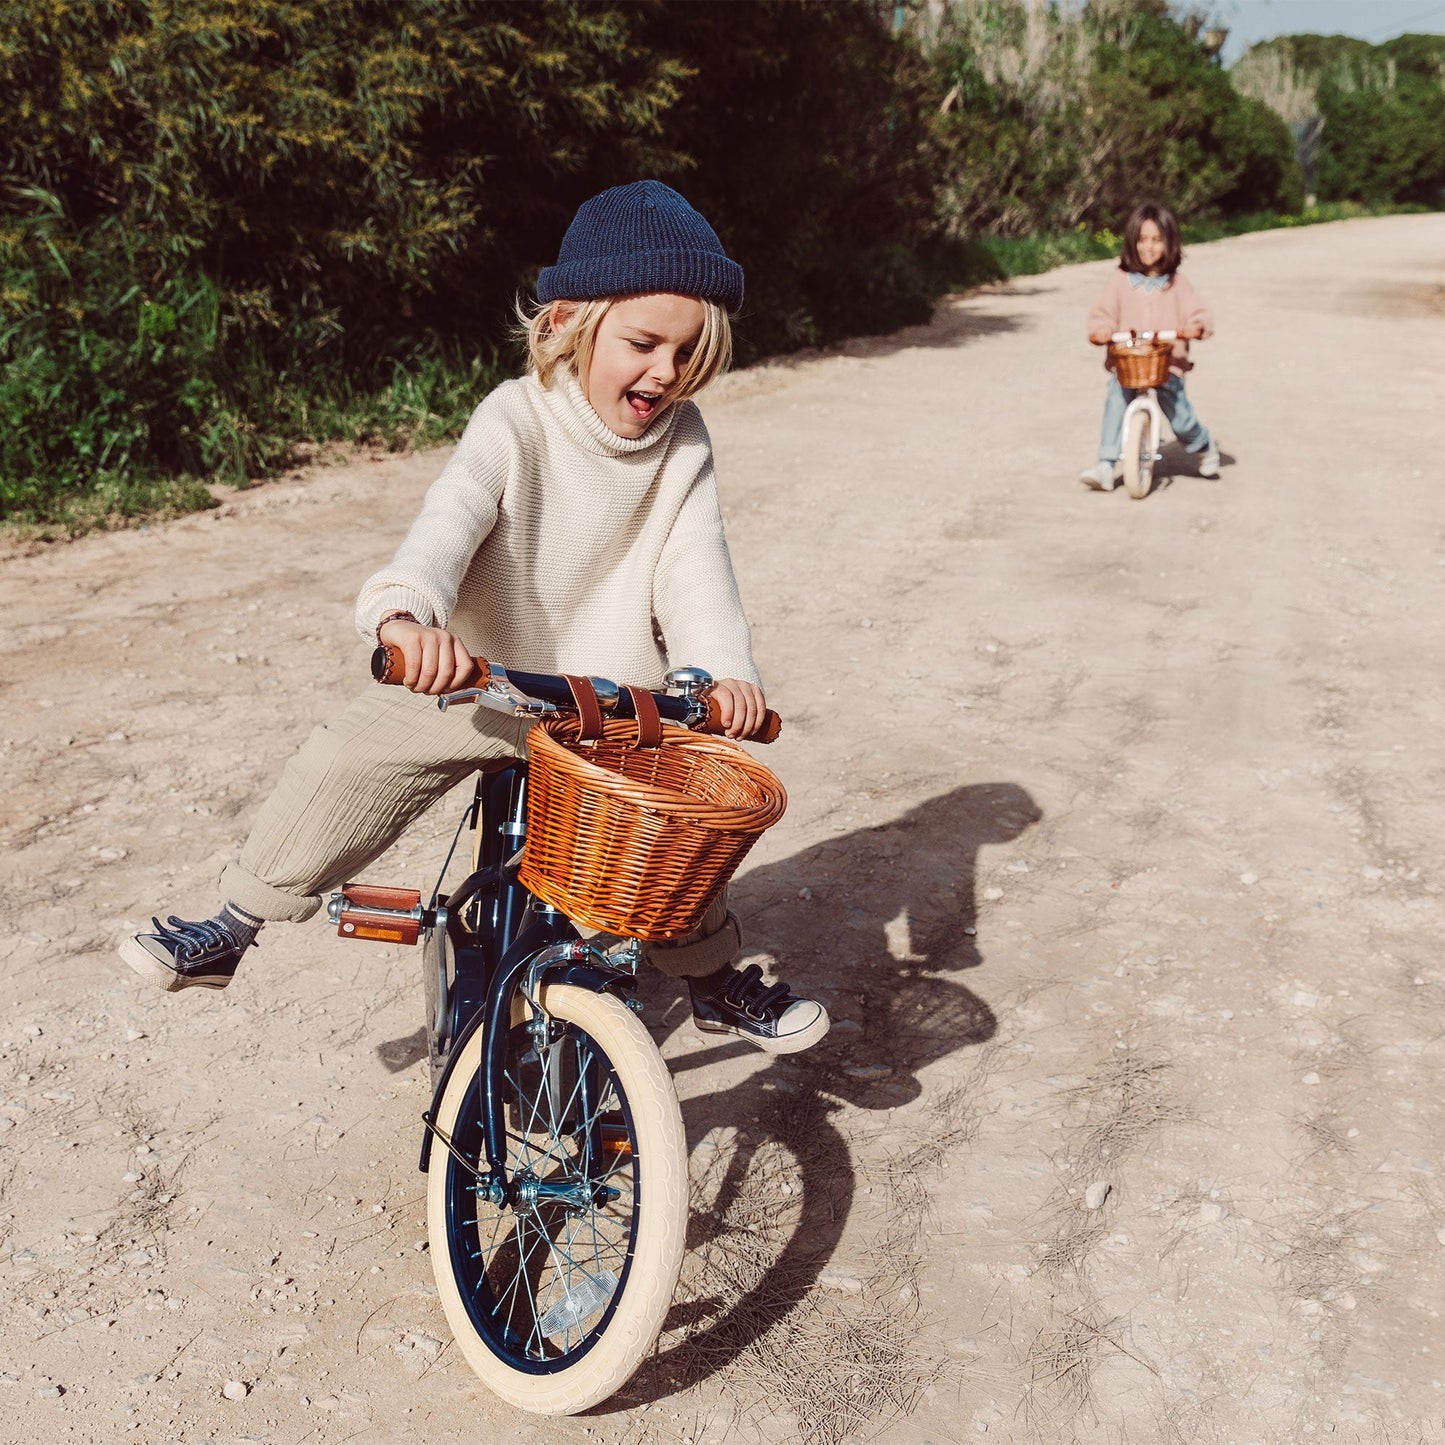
x=649, y=723
x=589, y=710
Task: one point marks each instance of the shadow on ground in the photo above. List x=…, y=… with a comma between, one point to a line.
x=874, y=922
x=1176, y=466
x=957, y=321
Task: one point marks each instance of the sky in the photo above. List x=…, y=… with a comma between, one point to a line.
x=1249, y=21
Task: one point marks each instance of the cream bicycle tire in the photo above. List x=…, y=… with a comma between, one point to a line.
x=646, y=1268
x=1138, y=454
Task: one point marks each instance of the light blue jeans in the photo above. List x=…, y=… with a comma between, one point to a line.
x=1189, y=431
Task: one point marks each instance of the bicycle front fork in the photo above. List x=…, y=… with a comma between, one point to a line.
x=1147, y=403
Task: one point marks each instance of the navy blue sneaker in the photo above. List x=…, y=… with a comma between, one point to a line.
x=189, y=955
x=766, y=1015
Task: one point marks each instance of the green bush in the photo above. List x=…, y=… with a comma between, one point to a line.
x=340, y=165
x=804, y=123
x=1004, y=256
x=1369, y=119
x=232, y=224
x=108, y=349
x=1383, y=144
x=229, y=226
x=199, y=200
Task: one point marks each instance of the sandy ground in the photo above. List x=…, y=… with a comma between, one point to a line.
x=1109, y=849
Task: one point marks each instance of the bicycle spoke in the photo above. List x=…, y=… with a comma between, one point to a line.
x=545, y=1269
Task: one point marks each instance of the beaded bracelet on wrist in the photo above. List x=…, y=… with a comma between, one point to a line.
x=393, y=617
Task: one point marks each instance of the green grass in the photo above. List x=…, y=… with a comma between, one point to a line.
x=270, y=422
x=112, y=500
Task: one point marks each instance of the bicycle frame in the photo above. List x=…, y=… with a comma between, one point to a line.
x=504, y=945
x=1141, y=428
x=558, y=1209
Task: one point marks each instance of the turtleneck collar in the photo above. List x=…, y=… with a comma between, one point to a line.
x=565, y=400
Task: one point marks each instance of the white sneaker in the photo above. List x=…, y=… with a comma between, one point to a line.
x=1100, y=476
x=1209, y=461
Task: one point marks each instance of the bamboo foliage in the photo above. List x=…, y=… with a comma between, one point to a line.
x=1368, y=121
x=201, y=197
x=350, y=142
x=1061, y=113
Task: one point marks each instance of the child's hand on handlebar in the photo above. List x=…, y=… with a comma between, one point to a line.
x=740, y=706
x=1100, y=338
x=436, y=662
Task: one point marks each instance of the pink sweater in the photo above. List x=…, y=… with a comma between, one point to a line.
x=1122, y=307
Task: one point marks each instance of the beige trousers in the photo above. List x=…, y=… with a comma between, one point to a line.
x=359, y=782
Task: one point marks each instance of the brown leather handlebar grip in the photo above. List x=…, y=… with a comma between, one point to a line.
x=388, y=665
x=772, y=724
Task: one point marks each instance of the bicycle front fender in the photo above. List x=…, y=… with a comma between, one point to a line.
x=593, y=977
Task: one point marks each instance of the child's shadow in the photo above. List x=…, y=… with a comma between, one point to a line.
x=870, y=921
x=1176, y=464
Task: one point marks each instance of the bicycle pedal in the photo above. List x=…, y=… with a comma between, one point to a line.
x=378, y=913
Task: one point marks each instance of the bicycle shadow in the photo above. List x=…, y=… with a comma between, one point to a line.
x=873, y=922
x=1177, y=465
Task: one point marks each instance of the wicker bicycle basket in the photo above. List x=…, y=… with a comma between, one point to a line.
x=1139, y=364
x=637, y=840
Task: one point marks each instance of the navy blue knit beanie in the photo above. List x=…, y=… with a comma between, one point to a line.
x=640, y=238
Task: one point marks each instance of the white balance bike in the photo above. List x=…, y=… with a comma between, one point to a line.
x=1141, y=363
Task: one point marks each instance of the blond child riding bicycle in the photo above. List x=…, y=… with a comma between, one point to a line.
x=1148, y=293
x=575, y=529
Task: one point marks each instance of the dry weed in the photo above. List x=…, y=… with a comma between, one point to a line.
x=1316, y=1262
x=1076, y=1235
x=1325, y=1132
x=839, y=1362
x=1062, y=1358
x=1125, y=1101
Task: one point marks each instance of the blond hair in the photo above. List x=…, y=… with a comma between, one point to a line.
x=570, y=343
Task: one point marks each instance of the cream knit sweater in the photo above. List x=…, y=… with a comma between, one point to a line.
x=551, y=544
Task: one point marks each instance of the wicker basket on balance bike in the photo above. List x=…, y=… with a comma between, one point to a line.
x=554, y=1148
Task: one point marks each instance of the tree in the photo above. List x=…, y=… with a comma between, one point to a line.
x=803, y=124
x=1369, y=119
x=1055, y=116
x=200, y=197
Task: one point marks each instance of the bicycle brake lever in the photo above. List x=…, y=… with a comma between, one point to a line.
x=501, y=695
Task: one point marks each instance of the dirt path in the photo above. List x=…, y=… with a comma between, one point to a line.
x=1110, y=848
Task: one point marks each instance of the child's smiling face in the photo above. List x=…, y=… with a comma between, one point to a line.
x=1149, y=247
x=642, y=347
